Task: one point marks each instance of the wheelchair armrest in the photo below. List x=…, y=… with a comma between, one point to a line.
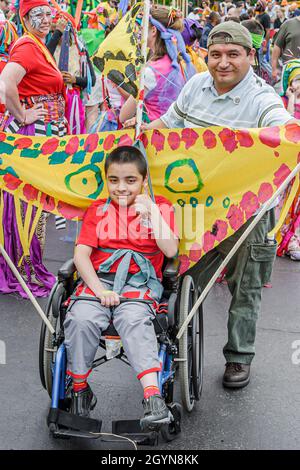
x=172, y=268
x=66, y=271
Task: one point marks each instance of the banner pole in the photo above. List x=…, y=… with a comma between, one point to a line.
x=140, y=103
x=26, y=289
x=234, y=249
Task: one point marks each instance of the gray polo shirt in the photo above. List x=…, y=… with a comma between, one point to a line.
x=252, y=103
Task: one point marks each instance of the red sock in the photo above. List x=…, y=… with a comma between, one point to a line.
x=150, y=391
x=79, y=386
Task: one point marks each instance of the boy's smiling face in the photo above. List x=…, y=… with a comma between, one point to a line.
x=124, y=183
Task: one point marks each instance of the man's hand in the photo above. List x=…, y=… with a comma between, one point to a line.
x=108, y=298
x=275, y=74
x=68, y=78
x=129, y=123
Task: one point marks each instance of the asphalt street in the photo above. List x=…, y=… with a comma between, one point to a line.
x=264, y=415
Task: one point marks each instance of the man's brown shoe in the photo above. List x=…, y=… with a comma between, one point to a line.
x=236, y=375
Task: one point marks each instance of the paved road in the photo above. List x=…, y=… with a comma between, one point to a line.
x=265, y=415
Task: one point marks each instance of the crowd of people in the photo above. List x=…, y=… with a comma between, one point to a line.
x=218, y=66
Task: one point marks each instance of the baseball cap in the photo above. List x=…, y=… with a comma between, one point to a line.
x=237, y=34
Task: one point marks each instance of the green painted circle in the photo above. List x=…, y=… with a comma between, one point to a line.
x=226, y=202
x=194, y=202
x=209, y=201
x=181, y=202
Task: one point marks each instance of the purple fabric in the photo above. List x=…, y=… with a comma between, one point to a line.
x=189, y=34
x=12, y=244
x=74, y=100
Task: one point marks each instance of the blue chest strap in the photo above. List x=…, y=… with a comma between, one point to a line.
x=146, y=277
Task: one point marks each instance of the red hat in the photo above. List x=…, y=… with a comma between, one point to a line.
x=27, y=5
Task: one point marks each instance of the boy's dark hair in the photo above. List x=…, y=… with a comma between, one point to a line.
x=254, y=27
x=127, y=154
x=244, y=17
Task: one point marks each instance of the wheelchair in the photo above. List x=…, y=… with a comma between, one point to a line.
x=182, y=359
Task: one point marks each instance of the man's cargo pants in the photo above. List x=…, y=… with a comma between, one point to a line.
x=247, y=272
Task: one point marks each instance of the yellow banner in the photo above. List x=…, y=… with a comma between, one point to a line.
x=216, y=178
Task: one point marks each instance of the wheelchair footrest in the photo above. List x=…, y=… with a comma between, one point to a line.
x=132, y=430
x=69, y=421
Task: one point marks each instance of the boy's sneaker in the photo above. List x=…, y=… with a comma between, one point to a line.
x=83, y=402
x=156, y=413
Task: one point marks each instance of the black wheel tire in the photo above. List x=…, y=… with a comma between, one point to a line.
x=46, y=350
x=187, y=297
x=198, y=352
x=169, y=432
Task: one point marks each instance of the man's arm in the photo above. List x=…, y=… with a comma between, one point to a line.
x=157, y=124
x=275, y=57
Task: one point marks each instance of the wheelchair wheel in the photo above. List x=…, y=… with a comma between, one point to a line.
x=47, y=350
x=198, y=352
x=190, y=347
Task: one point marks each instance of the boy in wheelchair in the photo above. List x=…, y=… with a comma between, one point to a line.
x=119, y=253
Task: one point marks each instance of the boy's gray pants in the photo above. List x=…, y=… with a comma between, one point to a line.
x=85, y=321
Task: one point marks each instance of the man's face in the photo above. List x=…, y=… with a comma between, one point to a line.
x=4, y=5
x=124, y=183
x=228, y=65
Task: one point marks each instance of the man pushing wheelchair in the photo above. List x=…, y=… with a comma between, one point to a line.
x=119, y=254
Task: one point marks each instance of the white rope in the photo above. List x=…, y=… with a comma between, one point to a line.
x=257, y=218
x=114, y=435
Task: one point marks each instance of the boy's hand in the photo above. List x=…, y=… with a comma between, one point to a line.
x=108, y=298
x=143, y=205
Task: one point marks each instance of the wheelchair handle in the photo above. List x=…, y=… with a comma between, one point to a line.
x=122, y=299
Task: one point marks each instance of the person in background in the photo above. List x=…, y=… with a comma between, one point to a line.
x=4, y=9
x=286, y=45
x=192, y=34
x=279, y=20
x=240, y=6
x=271, y=10
x=163, y=75
x=265, y=20
x=262, y=69
x=290, y=83
x=213, y=20
x=206, y=10
x=290, y=230
x=233, y=14
x=285, y=5
x=35, y=105
x=224, y=6
x=251, y=13
x=195, y=14
x=78, y=72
